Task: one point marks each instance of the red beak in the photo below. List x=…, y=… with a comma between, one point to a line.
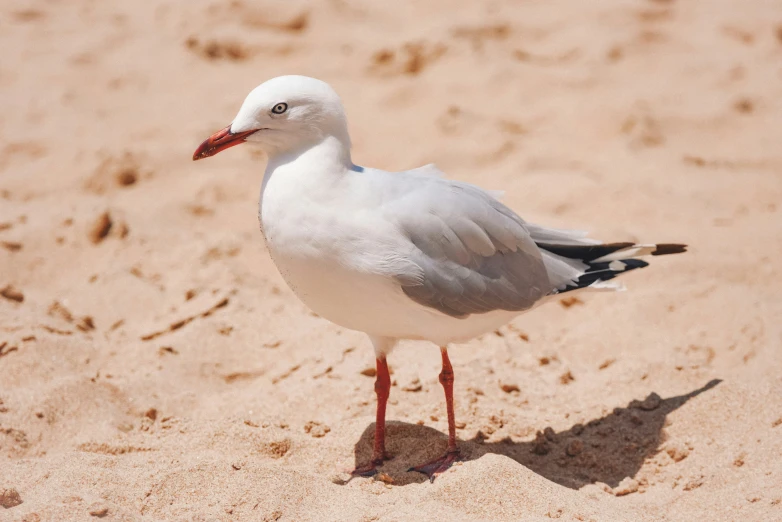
x=219, y=141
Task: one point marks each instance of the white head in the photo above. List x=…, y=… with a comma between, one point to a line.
x=282, y=115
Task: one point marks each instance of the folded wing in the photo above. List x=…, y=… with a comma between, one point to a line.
x=475, y=254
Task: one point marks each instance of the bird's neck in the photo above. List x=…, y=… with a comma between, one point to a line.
x=310, y=171
x=329, y=153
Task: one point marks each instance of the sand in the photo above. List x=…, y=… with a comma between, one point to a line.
x=153, y=364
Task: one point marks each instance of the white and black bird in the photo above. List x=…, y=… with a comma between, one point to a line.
x=401, y=255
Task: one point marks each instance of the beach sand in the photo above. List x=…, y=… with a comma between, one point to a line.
x=155, y=366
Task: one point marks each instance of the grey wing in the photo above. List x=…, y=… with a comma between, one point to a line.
x=475, y=254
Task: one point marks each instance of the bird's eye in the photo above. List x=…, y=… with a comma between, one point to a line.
x=280, y=108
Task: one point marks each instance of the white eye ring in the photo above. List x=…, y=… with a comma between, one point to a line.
x=280, y=108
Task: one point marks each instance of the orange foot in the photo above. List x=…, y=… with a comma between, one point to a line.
x=438, y=466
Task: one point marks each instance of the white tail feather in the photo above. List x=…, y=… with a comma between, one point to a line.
x=628, y=253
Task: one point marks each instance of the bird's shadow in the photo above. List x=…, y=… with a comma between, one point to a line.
x=606, y=449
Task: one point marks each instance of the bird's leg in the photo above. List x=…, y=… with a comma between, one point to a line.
x=382, y=389
x=436, y=467
x=446, y=379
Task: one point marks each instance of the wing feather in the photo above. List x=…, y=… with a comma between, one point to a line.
x=474, y=253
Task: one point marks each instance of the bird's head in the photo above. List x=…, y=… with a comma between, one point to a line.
x=282, y=115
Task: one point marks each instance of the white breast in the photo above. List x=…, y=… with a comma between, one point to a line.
x=314, y=238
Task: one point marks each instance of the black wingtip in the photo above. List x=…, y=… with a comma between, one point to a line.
x=663, y=249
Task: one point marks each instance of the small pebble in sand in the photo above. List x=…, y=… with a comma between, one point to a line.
x=652, y=402
x=98, y=510
x=10, y=498
x=627, y=486
x=56, y=309
x=100, y=228
x=566, y=378
x=540, y=445
x=369, y=372
x=739, y=461
x=570, y=301
x=678, y=451
x=384, y=477
x=127, y=176
x=11, y=246
x=12, y=294
x=460, y=425
x=509, y=388
x=574, y=447
x=341, y=479
x=151, y=414
x=85, y=324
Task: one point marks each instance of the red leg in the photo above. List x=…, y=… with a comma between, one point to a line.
x=436, y=467
x=446, y=379
x=382, y=389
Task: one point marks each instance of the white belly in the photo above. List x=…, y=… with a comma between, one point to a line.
x=374, y=304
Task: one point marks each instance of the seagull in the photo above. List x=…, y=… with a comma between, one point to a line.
x=401, y=255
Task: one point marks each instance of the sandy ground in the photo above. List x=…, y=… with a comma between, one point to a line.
x=153, y=364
